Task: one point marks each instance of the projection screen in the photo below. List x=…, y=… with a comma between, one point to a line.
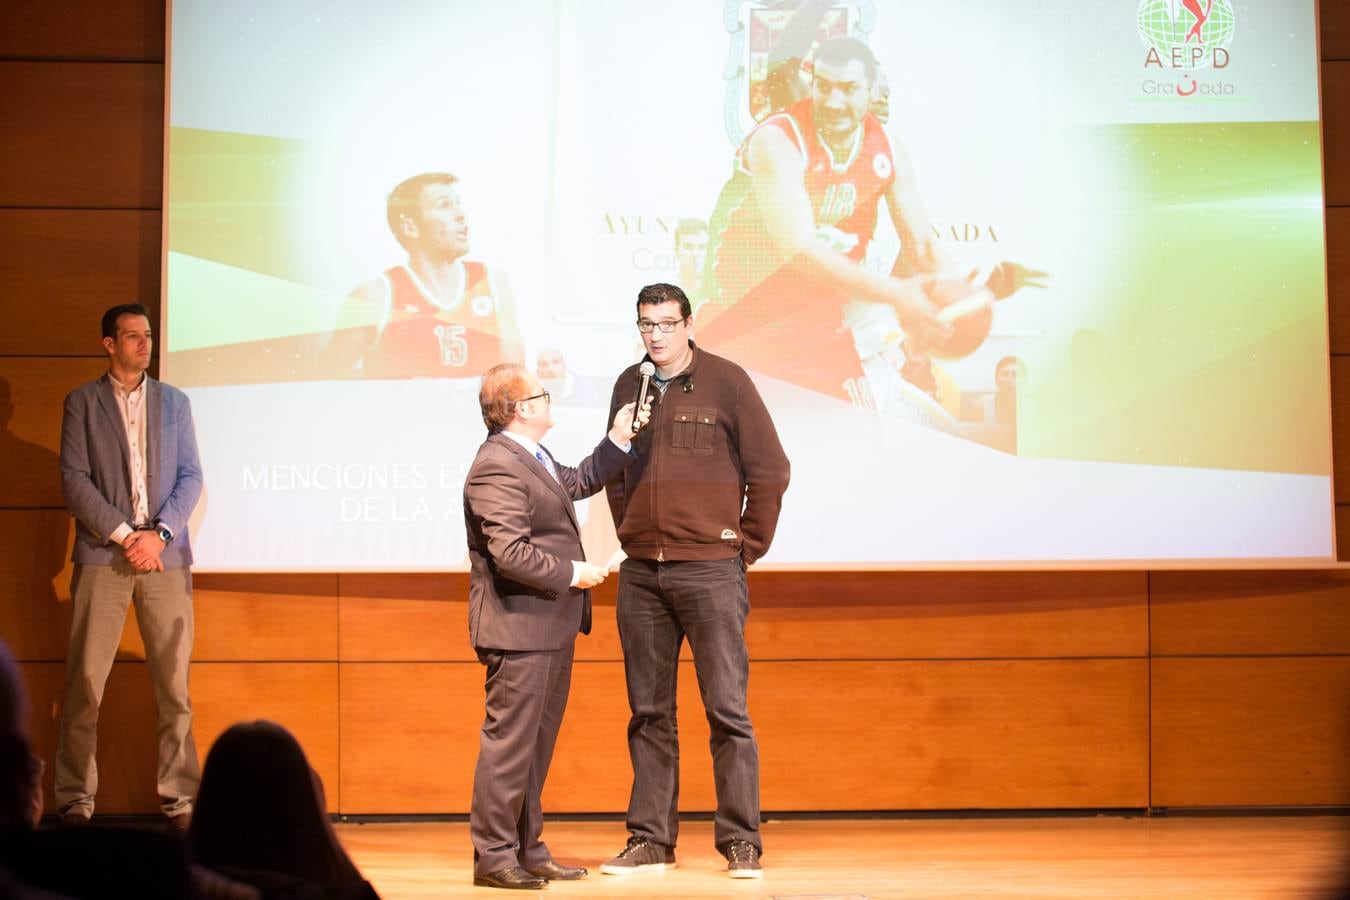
x=1117, y=207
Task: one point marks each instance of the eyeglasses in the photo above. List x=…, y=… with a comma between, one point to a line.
x=669, y=325
x=545, y=395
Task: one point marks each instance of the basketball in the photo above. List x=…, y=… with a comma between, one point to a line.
x=967, y=308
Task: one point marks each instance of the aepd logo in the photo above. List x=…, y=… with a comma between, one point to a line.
x=1183, y=38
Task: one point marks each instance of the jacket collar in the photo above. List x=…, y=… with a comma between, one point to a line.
x=688, y=373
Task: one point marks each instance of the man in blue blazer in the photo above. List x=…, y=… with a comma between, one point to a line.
x=131, y=477
x=529, y=596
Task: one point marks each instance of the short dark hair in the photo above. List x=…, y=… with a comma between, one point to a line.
x=655, y=294
x=123, y=309
x=406, y=197
x=503, y=387
x=689, y=226
x=841, y=50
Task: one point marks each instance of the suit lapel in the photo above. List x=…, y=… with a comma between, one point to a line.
x=558, y=488
x=108, y=401
x=536, y=468
x=153, y=395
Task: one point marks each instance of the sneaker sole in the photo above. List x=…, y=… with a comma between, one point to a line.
x=746, y=873
x=633, y=870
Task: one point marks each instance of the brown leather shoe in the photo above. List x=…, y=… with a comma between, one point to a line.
x=513, y=877
x=74, y=820
x=178, y=824
x=554, y=872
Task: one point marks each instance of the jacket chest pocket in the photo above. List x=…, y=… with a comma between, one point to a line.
x=693, y=430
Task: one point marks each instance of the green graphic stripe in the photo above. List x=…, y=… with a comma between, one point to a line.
x=233, y=199
x=212, y=304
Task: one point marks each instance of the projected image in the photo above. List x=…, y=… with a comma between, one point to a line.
x=1000, y=266
x=437, y=315
x=791, y=295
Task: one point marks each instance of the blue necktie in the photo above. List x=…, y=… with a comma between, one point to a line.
x=547, y=462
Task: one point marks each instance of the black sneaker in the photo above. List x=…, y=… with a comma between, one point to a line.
x=641, y=855
x=743, y=860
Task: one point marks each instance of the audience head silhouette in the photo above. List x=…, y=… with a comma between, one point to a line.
x=260, y=809
x=20, y=771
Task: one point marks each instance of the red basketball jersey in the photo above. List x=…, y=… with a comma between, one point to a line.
x=780, y=319
x=843, y=197
x=423, y=338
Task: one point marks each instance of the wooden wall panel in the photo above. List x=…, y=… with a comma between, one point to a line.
x=1343, y=533
x=935, y=615
x=883, y=735
x=1251, y=732
x=32, y=393
x=1340, y=427
x=1338, y=278
x=265, y=617
x=409, y=736
x=301, y=696
x=408, y=617
x=81, y=135
x=953, y=735
x=35, y=582
x=60, y=269
x=83, y=29
x=1334, y=25
x=1267, y=613
x=1336, y=131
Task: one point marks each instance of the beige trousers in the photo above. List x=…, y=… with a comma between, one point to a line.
x=163, y=601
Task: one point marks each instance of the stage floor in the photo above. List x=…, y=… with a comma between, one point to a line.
x=1104, y=856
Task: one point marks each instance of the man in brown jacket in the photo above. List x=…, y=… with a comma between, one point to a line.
x=697, y=508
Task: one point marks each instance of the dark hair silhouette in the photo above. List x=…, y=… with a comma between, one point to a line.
x=260, y=807
x=16, y=761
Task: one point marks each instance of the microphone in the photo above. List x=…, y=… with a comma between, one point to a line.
x=645, y=373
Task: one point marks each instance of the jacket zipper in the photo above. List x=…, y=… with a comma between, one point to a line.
x=656, y=482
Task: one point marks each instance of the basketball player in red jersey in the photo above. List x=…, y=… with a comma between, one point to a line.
x=789, y=256
x=438, y=315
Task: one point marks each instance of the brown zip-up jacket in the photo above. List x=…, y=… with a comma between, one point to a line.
x=710, y=473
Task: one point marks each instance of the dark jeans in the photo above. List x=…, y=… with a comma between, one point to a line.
x=660, y=604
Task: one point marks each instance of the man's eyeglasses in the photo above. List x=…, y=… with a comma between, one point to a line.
x=545, y=395
x=666, y=327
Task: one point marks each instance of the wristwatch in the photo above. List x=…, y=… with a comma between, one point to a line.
x=158, y=528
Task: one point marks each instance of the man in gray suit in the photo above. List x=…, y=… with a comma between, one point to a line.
x=130, y=476
x=528, y=597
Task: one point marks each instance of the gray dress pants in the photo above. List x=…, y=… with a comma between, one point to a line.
x=101, y=597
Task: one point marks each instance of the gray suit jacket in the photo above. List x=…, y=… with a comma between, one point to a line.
x=523, y=534
x=95, y=480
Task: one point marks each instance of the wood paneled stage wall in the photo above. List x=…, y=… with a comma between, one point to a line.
x=869, y=691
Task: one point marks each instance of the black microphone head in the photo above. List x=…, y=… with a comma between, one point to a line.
x=647, y=368
x=688, y=387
